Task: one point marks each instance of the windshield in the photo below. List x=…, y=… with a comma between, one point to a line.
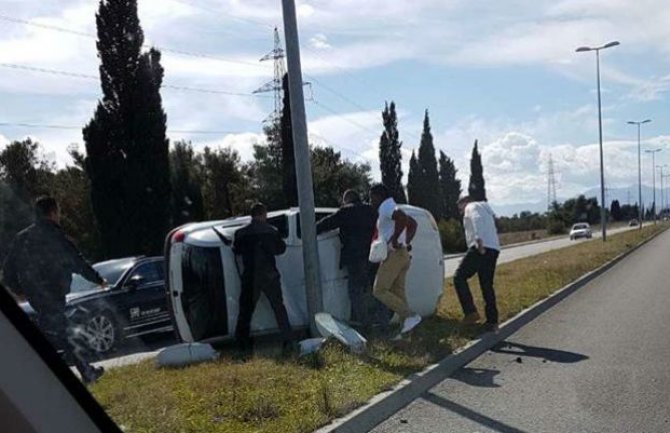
x=580, y=226
x=111, y=271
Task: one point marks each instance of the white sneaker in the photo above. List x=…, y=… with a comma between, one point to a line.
x=410, y=323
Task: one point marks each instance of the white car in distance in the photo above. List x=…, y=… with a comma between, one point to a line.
x=580, y=230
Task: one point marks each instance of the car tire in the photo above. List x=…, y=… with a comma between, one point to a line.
x=102, y=332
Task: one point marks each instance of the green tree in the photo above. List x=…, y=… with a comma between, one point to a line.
x=127, y=155
x=615, y=210
x=450, y=187
x=390, y=156
x=23, y=176
x=226, y=185
x=476, y=187
x=266, y=178
x=334, y=175
x=426, y=190
x=186, y=172
x=413, y=180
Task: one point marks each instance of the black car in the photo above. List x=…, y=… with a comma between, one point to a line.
x=133, y=305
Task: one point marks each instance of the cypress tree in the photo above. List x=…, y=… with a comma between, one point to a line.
x=450, y=187
x=390, y=157
x=428, y=194
x=476, y=187
x=127, y=150
x=413, y=182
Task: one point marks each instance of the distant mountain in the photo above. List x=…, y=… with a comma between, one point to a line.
x=516, y=208
x=627, y=195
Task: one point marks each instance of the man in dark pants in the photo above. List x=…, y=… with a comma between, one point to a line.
x=356, y=221
x=258, y=243
x=39, y=266
x=483, y=250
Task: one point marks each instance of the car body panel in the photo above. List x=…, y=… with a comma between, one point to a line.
x=137, y=311
x=424, y=280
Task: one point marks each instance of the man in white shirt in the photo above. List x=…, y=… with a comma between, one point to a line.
x=483, y=249
x=397, y=229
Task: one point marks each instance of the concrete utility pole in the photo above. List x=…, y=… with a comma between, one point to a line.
x=303, y=169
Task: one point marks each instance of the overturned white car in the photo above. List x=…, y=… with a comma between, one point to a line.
x=203, y=279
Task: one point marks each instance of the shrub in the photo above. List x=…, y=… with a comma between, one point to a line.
x=452, y=236
x=556, y=227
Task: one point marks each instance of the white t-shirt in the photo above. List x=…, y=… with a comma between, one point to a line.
x=479, y=223
x=385, y=223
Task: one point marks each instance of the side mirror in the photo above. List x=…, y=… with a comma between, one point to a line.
x=134, y=282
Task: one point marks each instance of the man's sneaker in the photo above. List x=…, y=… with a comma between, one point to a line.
x=410, y=323
x=93, y=375
x=471, y=319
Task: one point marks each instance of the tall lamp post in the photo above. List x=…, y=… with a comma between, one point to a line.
x=661, y=167
x=653, y=171
x=665, y=195
x=639, y=168
x=603, y=211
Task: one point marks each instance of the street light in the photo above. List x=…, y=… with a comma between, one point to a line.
x=665, y=195
x=639, y=168
x=661, y=167
x=653, y=170
x=603, y=218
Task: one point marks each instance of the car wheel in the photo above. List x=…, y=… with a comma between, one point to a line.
x=101, y=332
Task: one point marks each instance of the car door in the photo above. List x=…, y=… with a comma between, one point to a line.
x=144, y=303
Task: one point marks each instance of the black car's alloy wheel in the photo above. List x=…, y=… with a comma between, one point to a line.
x=101, y=332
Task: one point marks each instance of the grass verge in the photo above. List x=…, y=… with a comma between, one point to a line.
x=271, y=394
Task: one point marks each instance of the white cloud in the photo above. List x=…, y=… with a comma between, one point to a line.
x=319, y=42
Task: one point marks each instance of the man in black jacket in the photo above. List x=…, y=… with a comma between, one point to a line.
x=356, y=221
x=258, y=243
x=39, y=266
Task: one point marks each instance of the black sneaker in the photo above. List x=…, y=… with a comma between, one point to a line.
x=93, y=375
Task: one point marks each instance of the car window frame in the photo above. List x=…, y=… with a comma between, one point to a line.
x=145, y=284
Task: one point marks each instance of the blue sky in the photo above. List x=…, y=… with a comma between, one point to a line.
x=503, y=72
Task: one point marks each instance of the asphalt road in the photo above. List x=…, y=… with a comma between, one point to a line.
x=529, y=249
x=597, y=362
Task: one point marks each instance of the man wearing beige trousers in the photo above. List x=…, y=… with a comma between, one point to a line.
x=397, y=229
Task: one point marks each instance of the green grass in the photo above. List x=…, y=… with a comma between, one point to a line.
x=272, y=394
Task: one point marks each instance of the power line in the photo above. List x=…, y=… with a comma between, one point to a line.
x=146, y=46
x=93, y=77
x=346, y=149
x=219, y=12
x=72, y=127
x=345, y=118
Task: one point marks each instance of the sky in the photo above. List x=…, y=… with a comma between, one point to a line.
x=504, y=73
